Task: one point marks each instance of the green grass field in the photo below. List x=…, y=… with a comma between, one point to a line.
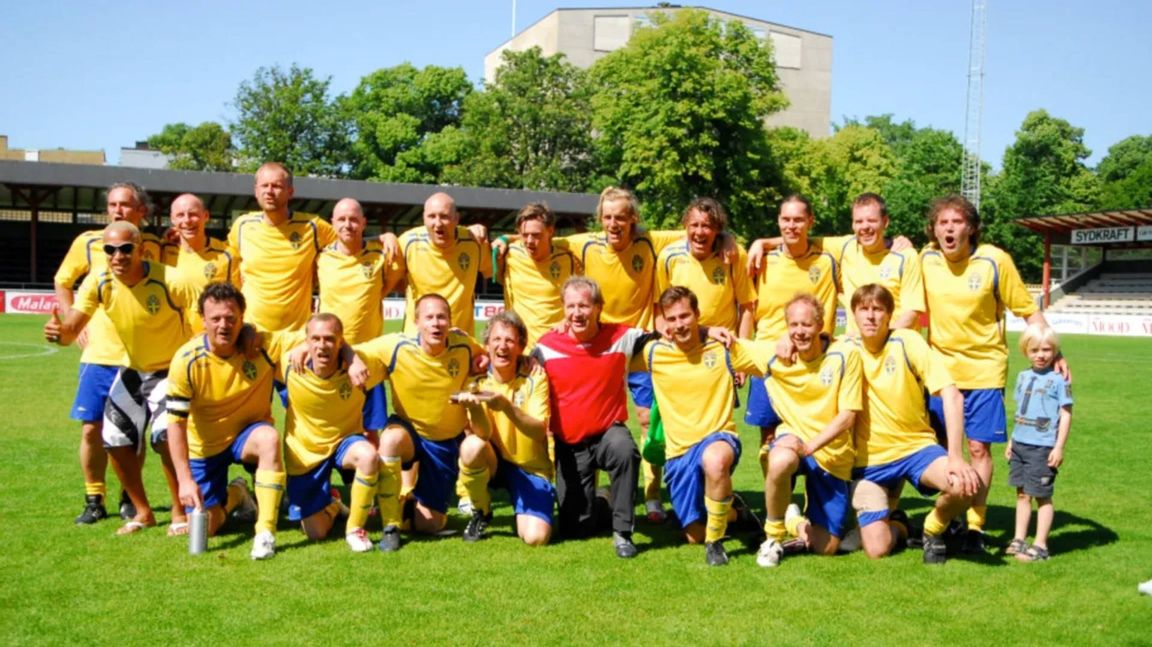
x=65, y=584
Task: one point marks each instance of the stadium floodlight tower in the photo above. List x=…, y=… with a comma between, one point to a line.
x=970, y=171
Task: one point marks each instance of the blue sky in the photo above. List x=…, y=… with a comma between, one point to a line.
x=102, y=74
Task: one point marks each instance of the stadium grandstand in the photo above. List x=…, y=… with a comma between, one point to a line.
x=1101, y=279
x=43, y=206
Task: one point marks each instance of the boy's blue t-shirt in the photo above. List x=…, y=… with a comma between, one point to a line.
x=1039, y=397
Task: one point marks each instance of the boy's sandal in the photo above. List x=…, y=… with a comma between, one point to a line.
x=1016, y=547
x=1033, y=554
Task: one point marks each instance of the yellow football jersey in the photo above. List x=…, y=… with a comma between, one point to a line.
x=899, y=272
x=783, y=277
x=696, y=389
x=352, y=288
x=808, y=395
x=213, y=263
x=148, y=316
x=422, y=383
x=627, y=278
x=322, y=412
x=86, y=256
x=966, y=303
x=532, y=288
x=277, y=264
x=220, y=396
x=720, y=289
x=528, y=391
x=451, y=273
x=894, y=421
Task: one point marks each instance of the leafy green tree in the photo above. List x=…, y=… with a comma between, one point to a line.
x=1126, y=174
x=855, y=159
x=394, y=110
x=207, y=147
x=530, y=129
x=1043, y=173
x=678, y=113
x=287, y=116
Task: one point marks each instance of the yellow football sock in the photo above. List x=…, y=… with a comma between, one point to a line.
x=651, y=481
x=717, y=518
x=763, y=458
x=934, y=524
x=977, y=514
x=475, y=481
x=793, y=525
x=388, y=491
x=775, y=529
x=96, y=488
x=461, y=489
x=363, y=492
x=269, y=491
x=236, y=494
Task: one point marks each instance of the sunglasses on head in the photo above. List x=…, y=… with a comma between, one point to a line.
x=125, y=249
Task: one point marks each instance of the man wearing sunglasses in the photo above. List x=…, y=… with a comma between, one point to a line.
x=146, y=309
x=103, y=352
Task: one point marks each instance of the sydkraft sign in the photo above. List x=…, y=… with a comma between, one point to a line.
x=1103, y=235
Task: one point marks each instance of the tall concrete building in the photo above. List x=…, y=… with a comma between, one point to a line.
x=803, y=58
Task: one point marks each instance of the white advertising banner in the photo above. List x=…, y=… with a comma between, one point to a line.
x=29, y=302
x=1144, y=232
x=1103, y=235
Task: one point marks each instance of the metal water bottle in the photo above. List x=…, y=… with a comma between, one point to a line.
x=197, y=531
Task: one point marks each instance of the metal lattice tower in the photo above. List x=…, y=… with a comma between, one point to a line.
x=970, y=173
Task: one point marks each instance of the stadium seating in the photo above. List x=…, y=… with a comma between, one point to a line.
x=1110, y=293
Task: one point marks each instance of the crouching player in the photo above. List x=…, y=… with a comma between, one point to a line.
x=508, y=445
x=894, y=440
x=695, y=384
x=424, y=371
x=817, y=397
x=325, y=423
x=219, y=413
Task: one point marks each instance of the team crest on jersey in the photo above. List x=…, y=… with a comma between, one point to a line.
x=345, y=390
x=295, y=240
x=453, y=367
x=974, y=282
x=890, y=365
x=209, y=270
x=637, y=263
x=554, y=270
x=885, y=273
x=814, y=274
x=710, y=359
x=518, y=399
x=249, y=370
x=366, y=268
x=718, y=276
x=152, y=304
x=826, y=376
x=464, y=261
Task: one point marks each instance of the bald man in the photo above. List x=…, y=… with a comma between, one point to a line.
x=444, y=258
x=202, y=259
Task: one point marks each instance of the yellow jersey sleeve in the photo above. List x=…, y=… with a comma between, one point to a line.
x=751, y=357
x=911, y=295
x=86, y=257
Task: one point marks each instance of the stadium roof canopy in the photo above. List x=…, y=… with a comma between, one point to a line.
x=1061, y=225
x=78, y=188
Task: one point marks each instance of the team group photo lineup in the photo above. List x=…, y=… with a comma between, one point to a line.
x=187, y=341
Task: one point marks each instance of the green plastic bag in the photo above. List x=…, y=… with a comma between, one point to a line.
x=653, y=449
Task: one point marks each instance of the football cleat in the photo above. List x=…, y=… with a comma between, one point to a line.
x=477, y=525
x=263, y=545
x=358, y=540
x=93, y=510
x=715, y=554
x=770, y=553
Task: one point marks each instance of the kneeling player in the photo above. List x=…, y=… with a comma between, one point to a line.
x=508, y=446
x=424, y=371
x=894, y=440
x=326, y=431
x=817, y=398
x=219, y=414
x=695, y=385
